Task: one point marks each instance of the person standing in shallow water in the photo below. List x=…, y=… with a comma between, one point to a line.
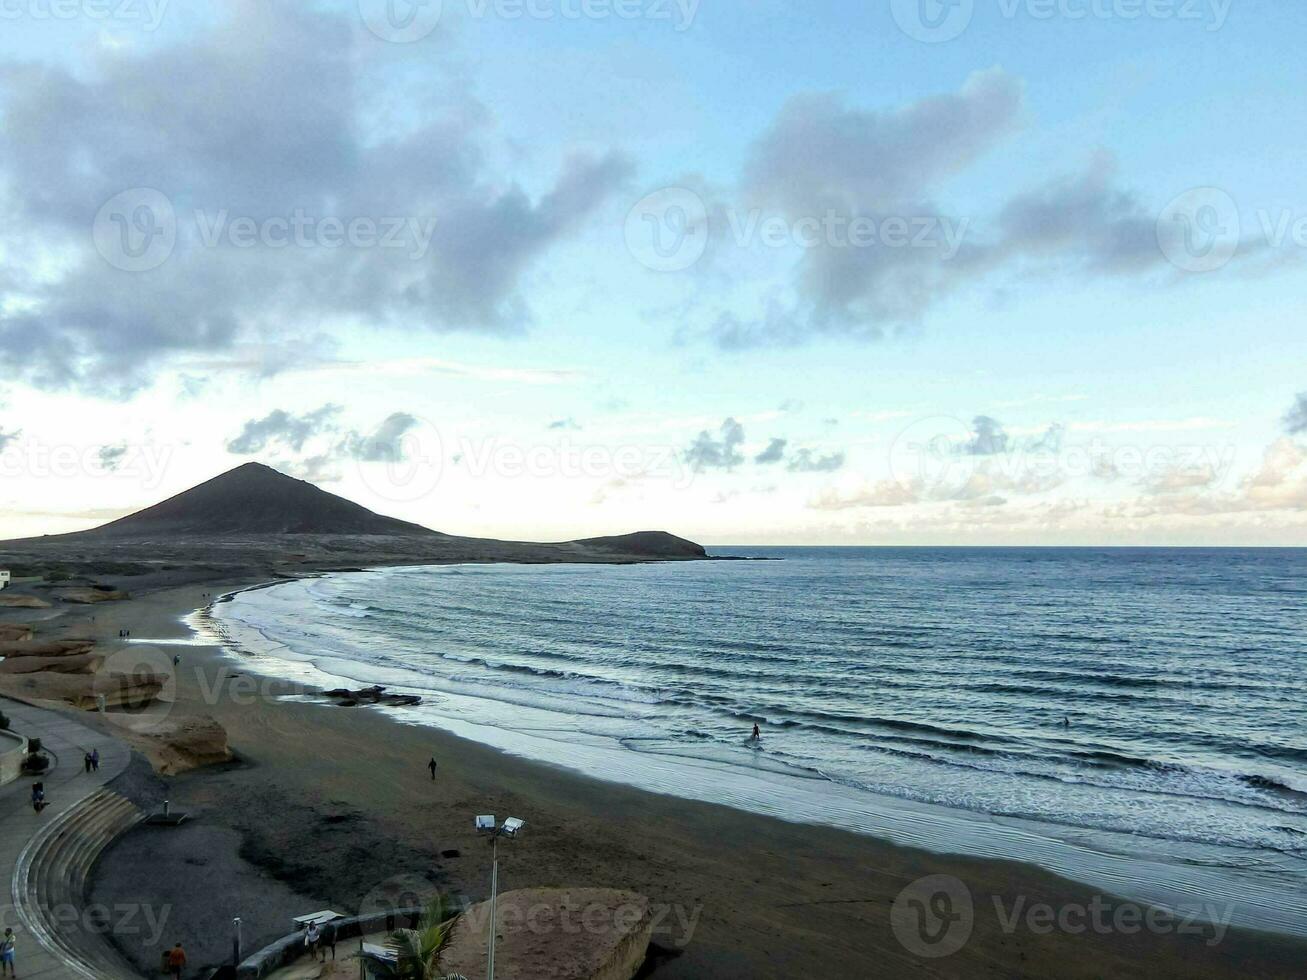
x=432, y=766
x=757, y=733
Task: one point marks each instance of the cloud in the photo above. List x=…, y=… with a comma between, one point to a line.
x=111, y=457
x=708, y=453
x=883, y=493
x=819, y=153
x=7, y=437
x=568, y=424
x=1295, y=420
x=987, y=439
x=281, y=428
x=1174, y=479
x=773, y=453
x=269, y=114
x=384, y=445
x=806, y=461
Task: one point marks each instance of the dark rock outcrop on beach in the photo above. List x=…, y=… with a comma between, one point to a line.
x=255, y=520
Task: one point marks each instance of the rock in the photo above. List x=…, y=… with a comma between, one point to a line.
x=555, y=934
x=83, y=663
x=93, y=594
x=23, y=602
x=81, y=690
x=184, y=744
x=45, y=648
x=15, y=632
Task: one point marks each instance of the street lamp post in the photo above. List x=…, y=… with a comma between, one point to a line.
x=486, y=826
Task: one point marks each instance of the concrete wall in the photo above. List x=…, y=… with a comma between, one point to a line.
x=290, y=948
x=13, y=749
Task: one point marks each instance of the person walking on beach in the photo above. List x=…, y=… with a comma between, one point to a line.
x=95, y=760
x=432, y=766
x=7, y=950
x=176, y=961
x=311, y=940
x=86, y=761
x=38, y=797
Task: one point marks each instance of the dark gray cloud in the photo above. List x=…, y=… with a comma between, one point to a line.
x=820, y=154
x=111, y=457
x=269, y=113
x=710, y=453
x=807, y=461
x=774, y=452
x=312, y=445
x=1295, y=420
x=385, y=444
x=821, y=158
x=987, y=437
x=282, y=429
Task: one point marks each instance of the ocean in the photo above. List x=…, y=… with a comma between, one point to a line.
x=1133, y=718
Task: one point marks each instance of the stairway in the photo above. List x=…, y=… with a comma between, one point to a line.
x=50, y=884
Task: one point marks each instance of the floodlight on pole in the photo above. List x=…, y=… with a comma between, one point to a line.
x=486, y=827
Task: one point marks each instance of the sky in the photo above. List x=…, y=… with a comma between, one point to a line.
x=1010, y=272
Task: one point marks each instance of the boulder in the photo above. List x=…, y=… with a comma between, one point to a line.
x=23, y=602
x=83, y=663
x=183, y=744
x=45, y=648
x=81, y=690
x=90, y=595
x=554, y=934
x=15, y=632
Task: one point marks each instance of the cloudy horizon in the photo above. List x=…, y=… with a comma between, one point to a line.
x=742, y=272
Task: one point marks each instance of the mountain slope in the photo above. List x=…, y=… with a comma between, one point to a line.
x=254, y=500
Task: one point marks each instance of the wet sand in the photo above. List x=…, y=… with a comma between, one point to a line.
x=334, y=807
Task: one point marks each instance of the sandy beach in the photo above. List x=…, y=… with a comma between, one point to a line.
x=334, y=807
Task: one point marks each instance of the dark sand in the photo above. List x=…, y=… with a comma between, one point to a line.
x=331, y=807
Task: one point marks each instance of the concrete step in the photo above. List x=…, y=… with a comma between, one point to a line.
x=56, y=868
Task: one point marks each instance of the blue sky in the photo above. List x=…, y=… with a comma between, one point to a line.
x=1047, y=358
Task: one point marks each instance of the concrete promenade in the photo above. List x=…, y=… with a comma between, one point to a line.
x=65, y=741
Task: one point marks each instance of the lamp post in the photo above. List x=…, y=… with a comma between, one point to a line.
x=486, y=826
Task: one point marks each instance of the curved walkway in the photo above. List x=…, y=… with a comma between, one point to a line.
x=23, y=833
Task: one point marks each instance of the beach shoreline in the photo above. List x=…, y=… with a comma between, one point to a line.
x=332, y=803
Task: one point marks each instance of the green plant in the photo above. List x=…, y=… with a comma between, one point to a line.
x=418, y=950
